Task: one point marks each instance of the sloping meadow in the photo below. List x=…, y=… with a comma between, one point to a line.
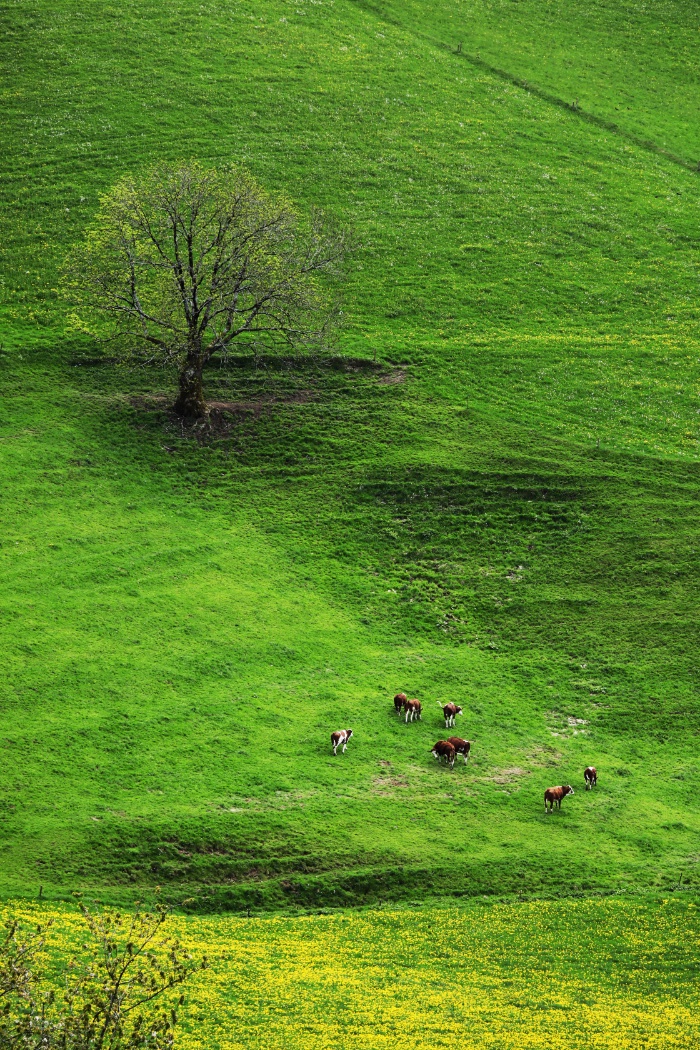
x=489, y=497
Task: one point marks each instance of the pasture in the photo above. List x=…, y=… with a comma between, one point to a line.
x=489, y=496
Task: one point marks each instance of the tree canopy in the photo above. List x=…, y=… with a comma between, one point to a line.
x=183, y=261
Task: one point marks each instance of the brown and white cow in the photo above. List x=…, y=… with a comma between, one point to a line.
x=462, y=747
x=399, y=700
x=553, y=796
x=413, y=709
x=450, y=711
x=340, y=737
x=444, y=750
x=590, y=775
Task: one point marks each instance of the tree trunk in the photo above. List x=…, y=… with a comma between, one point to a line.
x=190, y=402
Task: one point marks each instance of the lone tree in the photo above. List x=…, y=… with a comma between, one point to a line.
x=185, y=261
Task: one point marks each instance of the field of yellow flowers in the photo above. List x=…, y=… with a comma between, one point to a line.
x=527, y=976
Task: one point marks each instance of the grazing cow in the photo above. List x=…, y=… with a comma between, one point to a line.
x=341, y=737
x=450, y=711
x=444, y=750
x=553, y=796
x=399, y=700
x=413, y=709
x=462, y=747
x=590, y=775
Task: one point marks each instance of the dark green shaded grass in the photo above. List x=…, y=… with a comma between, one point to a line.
x=498, y=507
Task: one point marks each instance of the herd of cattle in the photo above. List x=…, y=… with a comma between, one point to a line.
x=447, y=750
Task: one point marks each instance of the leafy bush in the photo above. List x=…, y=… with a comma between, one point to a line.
x=123, y=992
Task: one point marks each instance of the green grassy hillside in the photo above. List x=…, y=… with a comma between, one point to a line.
x=492, y=499
x=632, y=64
